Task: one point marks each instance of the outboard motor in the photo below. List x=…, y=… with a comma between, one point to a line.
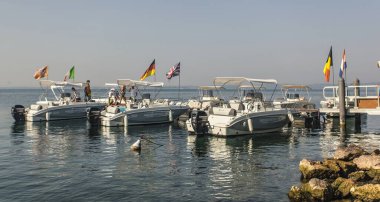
x=93, y=115
x=18, y=113
x=199, y=121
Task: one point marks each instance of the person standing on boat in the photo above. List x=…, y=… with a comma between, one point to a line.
x=133, y=93
x=123, y=90
x=75, y=97
x=111, y=97
x=87, y=91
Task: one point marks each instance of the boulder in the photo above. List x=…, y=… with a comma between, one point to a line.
x=376, y=152
x=346, y=167
x=367, y=192
x=295, y=194
x=348, y=153
x=333, y=166
x=359, y=176
x=341, y=187
x=318, y=189
x=374, y=174
x=310, y=169
x=367, y=162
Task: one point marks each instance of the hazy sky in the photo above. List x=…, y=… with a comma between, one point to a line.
x=107, y=40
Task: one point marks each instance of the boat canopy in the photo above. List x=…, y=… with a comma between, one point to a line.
x=111, y=84
x=50, y=83
x=296, y=86
x=239, y=80
x=130, y=82
x=210, y=87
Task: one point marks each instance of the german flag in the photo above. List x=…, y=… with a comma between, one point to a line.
x=150, y=71
x=328, y=65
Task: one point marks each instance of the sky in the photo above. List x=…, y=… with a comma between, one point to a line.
x=108, y=40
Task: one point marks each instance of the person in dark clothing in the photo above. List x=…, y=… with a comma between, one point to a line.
x=87, y=91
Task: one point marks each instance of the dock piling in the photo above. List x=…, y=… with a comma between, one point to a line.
x=342, y=103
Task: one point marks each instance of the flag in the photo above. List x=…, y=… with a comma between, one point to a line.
x=328, y=65
x=174, y=71
x=41, y=73
x=70, y=74
x=343, y=65
x=150, y=71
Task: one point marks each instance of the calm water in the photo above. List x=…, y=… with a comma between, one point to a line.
x=69, y=160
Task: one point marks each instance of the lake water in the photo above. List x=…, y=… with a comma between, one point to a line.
x=71, y=161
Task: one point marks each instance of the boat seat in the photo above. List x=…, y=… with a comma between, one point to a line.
x=238, y=106
x=208, y=104
x=35, y=107
x=194, y=104
x=222, y=111
x=113, y=110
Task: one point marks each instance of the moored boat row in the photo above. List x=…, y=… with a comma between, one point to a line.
x=248, y=111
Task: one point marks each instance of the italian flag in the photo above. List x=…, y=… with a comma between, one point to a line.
x=70, y=74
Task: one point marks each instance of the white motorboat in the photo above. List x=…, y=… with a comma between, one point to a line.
x=59, y=105
x=249, y=114
x=140, y=111
x=294, y=97
x=206, y=98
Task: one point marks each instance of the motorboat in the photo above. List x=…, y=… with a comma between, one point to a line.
x=207, y=98
x=140, y=110
x=56, y=103
x=249, y=113
x=294, y=97
x=297, y=99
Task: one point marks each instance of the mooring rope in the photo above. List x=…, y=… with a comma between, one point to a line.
x=143, y=138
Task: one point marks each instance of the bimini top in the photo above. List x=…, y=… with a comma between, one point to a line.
x=239, y=80
x=130, y=82
x=296, y=86
x=210, y=87
x=50, y=83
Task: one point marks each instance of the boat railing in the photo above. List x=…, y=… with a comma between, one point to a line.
x=353, y=93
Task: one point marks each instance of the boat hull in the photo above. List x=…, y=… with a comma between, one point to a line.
x=63, y=112
x=261, y=122
x=144, y=116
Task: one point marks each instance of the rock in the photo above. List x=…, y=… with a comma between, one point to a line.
x=359, y=176
x=374, y=174
x=367, y=162
x=295, y=194
x=348, y=153
x=345, y=187
x=333, y=166
x=368, y=192
x=318, y=189
x=342, y=187
x=310, y=169
x=376, y=152
x=346, y=167
x=335, y=185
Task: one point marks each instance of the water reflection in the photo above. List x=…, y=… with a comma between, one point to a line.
x=227, y=164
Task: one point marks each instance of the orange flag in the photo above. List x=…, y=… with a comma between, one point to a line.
x=41, y=73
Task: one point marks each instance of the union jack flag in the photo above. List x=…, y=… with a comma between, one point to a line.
x=174, y=71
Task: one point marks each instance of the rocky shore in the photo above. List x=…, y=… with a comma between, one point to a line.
x=353, y=174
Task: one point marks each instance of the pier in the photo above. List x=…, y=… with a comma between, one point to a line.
x=359, y=99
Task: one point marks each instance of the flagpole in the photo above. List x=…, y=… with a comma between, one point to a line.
x=179, y=85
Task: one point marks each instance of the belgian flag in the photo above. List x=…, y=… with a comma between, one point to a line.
x=150, y=71
x=328, y=65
